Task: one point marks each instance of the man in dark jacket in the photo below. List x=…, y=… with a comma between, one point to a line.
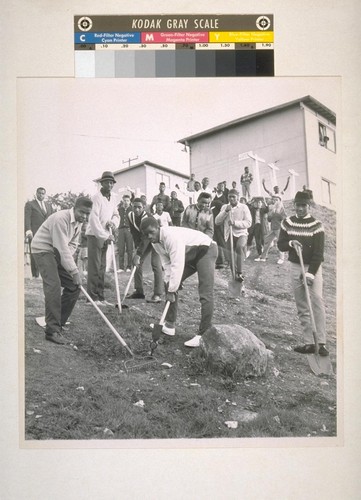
x=135, y=218
x=36, y=212
x=125, y=240
x=307, y=233
x=176, y=209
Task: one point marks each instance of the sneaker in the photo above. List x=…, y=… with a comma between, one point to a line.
x=136, y=295
x=248, y=253
x=322, y=351
x=155, y=299
x=305, y=349
x=128, y=270
x=120, y=271
x=280, y=261
x=168, y=330
x=239, y=277
x=259, y=260
x=194, y=342
x=55, y=337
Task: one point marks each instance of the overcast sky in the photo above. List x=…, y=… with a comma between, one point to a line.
x=71, y=130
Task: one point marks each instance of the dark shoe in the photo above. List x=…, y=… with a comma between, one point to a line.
x=136, y=295
x=322, y=351
x=239, y=277
x=155, y=299
x=55, y=337
x=305, y=349
x=220, y=266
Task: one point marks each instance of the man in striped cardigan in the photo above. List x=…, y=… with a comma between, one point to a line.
x=305, y=232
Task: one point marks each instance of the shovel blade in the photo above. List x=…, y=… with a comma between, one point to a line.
x=157, y=332
x=235, y=288
x=320, y=365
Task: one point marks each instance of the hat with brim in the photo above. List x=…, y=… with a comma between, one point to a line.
x=107, y=176
x=302, y=197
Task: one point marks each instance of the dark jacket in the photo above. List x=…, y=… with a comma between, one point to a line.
x=34, y=216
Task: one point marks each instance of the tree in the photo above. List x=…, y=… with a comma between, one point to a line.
x=60, y=201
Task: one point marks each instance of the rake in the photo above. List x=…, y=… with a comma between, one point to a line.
x=137, y=362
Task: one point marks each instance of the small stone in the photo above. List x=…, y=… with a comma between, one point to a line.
x=231, y=424
x=29, y=412
x=324, y=382
x=288, y=332
x=276, y=372
x=277, y=419
x=75, y=348
x=37, y=351
x=81, y=388
x=108, y=432
x=38, y=416
x=139, y=403
x=195, y=385
x=167, y=365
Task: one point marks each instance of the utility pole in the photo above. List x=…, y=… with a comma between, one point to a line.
x=129, y=160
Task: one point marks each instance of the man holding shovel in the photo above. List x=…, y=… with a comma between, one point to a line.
x=104, y=216
x=53, y=248
x=305, y=234
x=236, y=219
x=184, y=252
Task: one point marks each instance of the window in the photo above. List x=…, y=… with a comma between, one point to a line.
x=163, y=178
x=328, y=191
x=327, y=137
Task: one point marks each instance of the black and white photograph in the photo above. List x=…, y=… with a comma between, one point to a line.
x=178, y=345
x=179, y=258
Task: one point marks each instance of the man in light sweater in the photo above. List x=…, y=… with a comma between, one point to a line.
x=104, y=216
x=184, y=252
x=53, y=247
x=237, y=216
x=307, y=233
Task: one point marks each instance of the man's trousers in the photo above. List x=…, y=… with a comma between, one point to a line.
x=58, y=305
x=204, y=267
x=96, y=268
x=317, y=303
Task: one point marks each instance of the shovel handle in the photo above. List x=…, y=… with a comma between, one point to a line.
x=232, y=252
x=115, y=273
x=106, y=320
x=166, y=307
x=129, y=282
x=308, y=298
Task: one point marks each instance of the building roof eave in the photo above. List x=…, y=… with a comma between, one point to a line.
x=308, y=101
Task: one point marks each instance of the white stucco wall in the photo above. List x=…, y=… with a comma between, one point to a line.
x=276, y=137
x=322, y=162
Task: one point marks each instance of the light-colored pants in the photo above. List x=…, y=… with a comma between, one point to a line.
x=239, y=249
x=273, y=235
x=317, y=303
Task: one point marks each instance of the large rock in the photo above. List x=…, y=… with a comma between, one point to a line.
x=234, y=350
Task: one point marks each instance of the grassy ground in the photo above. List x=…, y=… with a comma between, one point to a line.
x=82, y=391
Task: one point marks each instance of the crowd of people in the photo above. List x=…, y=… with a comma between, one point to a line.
x=180, y=240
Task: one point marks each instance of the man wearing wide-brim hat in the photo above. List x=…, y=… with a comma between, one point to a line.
x=305, y=232
x=104, y=216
